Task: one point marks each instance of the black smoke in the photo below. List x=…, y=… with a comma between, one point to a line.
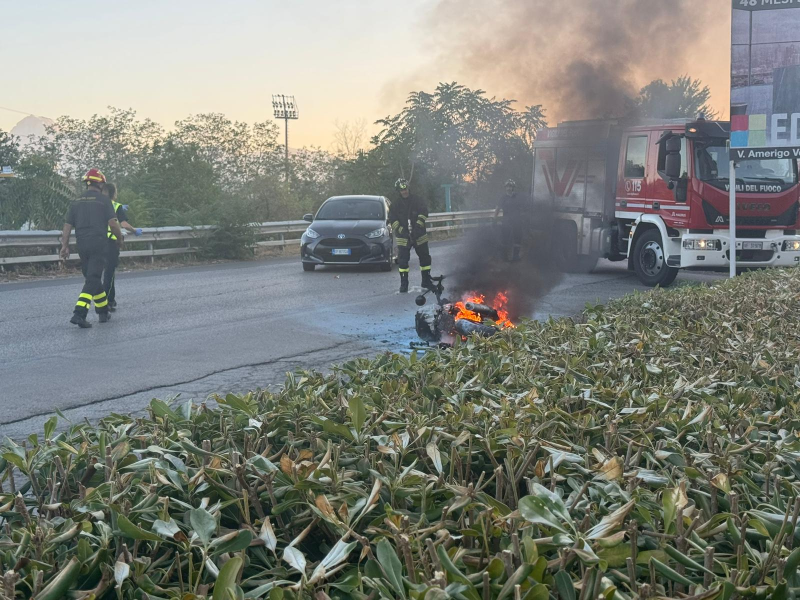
x=482, y=265
x=581, y=59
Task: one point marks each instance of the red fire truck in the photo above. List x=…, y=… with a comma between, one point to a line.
x=655, y=193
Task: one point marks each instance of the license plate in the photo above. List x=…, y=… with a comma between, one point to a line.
x=752, y=245
x=341, y=251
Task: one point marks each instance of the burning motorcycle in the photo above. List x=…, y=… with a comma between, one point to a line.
x=443, y=322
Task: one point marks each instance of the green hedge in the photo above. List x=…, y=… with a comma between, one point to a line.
x=649, y=450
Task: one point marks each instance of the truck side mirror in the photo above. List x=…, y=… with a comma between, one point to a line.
x=672, y=164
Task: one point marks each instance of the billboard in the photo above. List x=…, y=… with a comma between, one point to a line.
x=765, y=79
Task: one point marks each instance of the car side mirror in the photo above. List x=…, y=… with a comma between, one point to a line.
x=309, y=218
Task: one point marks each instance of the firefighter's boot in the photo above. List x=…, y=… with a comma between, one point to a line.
x=80, y=321
x=403, y=283
x=427, y=282
x=104, y=317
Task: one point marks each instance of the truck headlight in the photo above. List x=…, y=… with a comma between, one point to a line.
x=311, y=233
x=701, y=245
x=790, y=246
x=377, y=233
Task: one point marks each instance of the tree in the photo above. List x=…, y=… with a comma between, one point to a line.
x=38, y=197
x=681, y=98
x=532, y=120
x=115, y=143
x=350, y=138
x=186, y=187
x=9, y=149
x=237, y=152
x=457, y=135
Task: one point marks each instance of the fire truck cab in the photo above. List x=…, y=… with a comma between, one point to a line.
x=656, y=193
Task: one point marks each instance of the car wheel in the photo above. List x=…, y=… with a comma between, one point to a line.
x=308, y=267
x=650, y=261
x=387, y=266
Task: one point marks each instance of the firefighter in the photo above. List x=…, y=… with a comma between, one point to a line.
x=408, y=215
x=91, y=215
x=513, y=208
x=113, y=247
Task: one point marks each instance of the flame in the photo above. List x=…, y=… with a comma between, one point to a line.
x=499, y=304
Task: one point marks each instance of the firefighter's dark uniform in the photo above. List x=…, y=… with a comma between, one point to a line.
x=113, y=255
x=408, y=217
x=89, y=216
x=513, y=224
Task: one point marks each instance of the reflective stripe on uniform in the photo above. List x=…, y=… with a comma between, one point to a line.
x=428, y=268
x=82, y=304
x=99, y=296
x=402, y=242
x=423, y=240
x=116, y=206
x=85, y=295
x=403, y=270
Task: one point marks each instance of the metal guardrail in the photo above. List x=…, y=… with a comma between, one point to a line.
x=275, y=234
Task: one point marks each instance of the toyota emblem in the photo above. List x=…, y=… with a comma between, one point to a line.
x=341, y=236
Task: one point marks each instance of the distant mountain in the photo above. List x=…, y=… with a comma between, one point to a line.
x=31, y=126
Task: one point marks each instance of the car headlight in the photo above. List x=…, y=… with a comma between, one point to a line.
x=702, y=245
x=311, y=233
x=377, y=233
x=790, y=246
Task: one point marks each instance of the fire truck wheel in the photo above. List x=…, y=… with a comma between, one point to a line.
x=650, y=261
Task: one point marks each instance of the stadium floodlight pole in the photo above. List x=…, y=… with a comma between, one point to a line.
x=285, y=107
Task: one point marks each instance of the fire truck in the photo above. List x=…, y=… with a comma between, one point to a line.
x=656, y=193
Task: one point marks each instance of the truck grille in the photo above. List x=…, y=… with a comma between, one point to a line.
x=786, y=219
x=752, y=255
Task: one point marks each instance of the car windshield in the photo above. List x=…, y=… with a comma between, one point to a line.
x=351, y=209
x=712, y=164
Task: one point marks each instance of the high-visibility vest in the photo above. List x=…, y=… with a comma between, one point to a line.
x=116, y=205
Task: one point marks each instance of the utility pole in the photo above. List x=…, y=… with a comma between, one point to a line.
x=285, y=107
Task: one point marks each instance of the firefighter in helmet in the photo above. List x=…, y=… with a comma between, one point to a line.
x=513, y=207
x=112, y=261
x=91, y=215
x=408, y=215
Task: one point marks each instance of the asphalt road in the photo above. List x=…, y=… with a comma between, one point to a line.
x=224, y=328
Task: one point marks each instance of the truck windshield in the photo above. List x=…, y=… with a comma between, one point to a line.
x=712, y=165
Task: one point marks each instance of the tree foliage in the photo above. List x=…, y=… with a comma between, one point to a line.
x=681, y=98
x=210, y=169
x=459, y=136
x=9, y=149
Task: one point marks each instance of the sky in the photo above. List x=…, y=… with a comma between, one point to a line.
x=343, y=60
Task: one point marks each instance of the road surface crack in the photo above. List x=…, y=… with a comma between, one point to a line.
x=273, y=361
